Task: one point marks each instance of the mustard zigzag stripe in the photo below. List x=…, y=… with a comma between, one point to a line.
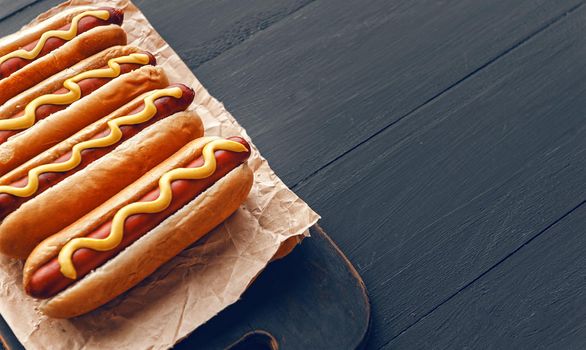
x=155, y=206
x=74, y=94
x=114, y=136
x=61, y=34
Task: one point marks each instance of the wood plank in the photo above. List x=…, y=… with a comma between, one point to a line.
x=335, y=73
x=444, y=195
x=202, y=30
x=534, y=299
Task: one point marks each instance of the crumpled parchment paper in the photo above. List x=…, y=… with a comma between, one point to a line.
x=201, y=281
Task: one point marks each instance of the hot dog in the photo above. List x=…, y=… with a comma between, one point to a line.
x=128, y=237
x=55, y=82
x=174, y=99
x=42, y=197
x=51, y=40
x=50, y=131
x=86, y=81
x=85, y=34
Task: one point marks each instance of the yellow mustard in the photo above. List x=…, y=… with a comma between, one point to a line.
x=61, y=34
x=114, y=136
x=155, y=206
x=29, y=117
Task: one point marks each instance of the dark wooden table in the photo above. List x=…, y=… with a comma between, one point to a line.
x=443, y=142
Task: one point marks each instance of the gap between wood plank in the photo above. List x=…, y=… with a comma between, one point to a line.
x=442, y=92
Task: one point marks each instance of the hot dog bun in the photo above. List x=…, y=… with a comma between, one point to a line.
x=55, y=82
x=81, y=113
x=75, y=50
x=31, y=33
x=80, y=193
x=144, y=256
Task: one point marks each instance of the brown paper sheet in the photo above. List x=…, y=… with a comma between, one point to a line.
x=202, y=280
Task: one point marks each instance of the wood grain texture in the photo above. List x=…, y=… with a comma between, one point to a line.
x=334, y=74
x=534, y=296
x=202, y=30
x=534, y=300
x=446, y=194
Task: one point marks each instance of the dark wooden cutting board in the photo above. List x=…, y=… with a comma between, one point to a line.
x=311, y=299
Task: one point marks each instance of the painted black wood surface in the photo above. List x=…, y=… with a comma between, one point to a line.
x=441, y=141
